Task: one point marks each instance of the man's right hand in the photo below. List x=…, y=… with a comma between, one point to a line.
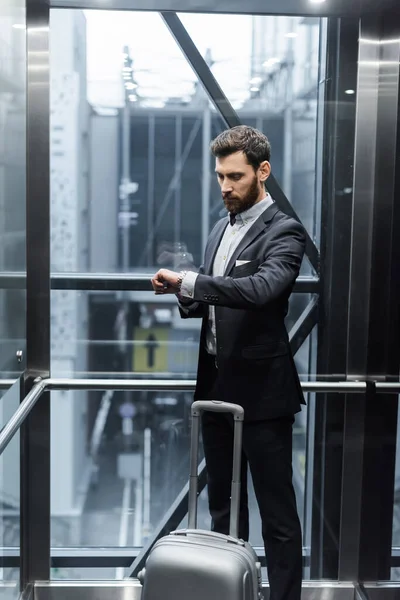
x=166, y=282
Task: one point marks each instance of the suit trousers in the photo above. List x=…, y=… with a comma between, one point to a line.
x=267, y=450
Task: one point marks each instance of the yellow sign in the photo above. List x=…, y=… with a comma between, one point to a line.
x=150, y=350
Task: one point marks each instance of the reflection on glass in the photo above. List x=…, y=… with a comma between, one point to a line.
x=132, y=179
x=270, y=76
x=10, y=493
x=108, y=335
x=115, y=476
x=12, y=259
x=12, y=182
x=99, y=334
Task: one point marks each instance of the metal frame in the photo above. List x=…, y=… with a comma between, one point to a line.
x=336, y=217
x=355, y=442
x=35, y=444
x=252, y=7
x=304, y=325
x=370, y=432
x=131, y=590
x=35, y=432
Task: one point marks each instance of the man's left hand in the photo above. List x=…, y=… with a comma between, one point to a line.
x=165, y=282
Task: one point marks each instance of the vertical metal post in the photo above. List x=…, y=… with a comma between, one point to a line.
x=336, y=209
x=126, y=227
x=193, y=475
x=206, y=176
x=319, y=154
x=125, y=203
x=35, y=433
x=288, y=122
x=178, y=180
x=150, y=188
x=146, y=483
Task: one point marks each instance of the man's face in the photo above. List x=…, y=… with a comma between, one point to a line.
x=241, y=187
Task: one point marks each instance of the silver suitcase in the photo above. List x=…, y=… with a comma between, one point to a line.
x=195, y=564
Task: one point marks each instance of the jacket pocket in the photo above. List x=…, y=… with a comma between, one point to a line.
x=248, y=268
x=269, y=350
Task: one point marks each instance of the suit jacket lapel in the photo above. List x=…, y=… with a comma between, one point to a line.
x=258, y=227
x=213, y=244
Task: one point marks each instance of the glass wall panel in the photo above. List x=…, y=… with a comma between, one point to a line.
x=9, y=495
x=129, y=167
x=153, y=341
x=115, y=476
x=12, y=185
x=270, y=75
x=12, y=260
x=96, y=436
x=133, y=189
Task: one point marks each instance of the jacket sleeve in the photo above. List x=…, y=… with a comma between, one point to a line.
x=190, y=309
x=274, y=276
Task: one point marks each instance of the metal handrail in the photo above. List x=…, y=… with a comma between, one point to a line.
x=159, y=385
x=40, y=385
x=23, y=410
x=138, y=282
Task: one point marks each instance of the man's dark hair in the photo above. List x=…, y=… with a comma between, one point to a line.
x=250, y=141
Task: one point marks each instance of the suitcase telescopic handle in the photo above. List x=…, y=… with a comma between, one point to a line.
x=238, y=414
x=217, y=406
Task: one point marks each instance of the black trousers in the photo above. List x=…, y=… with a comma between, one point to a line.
x=267, y=450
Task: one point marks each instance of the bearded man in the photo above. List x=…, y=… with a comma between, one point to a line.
x=241, y=292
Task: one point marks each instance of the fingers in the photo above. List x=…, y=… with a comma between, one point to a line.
x=165, y=282
x=157, y=283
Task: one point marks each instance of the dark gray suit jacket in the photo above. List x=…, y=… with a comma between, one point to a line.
x=255, y=365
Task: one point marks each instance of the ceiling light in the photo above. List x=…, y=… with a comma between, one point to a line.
x=105, y=111
x=291, y=34
x=149, y=103
x=270, y=62
x=349, y=92
x=132, y=97
x=254, y=89
x=130, y=85
x=19, y=26
x=256, y=80
x=317, y=1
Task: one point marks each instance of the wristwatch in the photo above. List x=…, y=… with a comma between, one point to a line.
x=181, y=277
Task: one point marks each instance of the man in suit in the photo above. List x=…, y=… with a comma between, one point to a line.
x=241, y=292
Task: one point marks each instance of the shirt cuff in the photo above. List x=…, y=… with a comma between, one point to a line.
x=188, y=283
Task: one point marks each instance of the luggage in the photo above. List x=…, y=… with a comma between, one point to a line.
x=194, y=564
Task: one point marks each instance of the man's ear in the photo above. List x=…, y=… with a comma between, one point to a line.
x=265, y=170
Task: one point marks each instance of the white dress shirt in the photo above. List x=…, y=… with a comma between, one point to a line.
x=233, y=235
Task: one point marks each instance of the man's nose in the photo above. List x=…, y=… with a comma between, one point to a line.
x=226, y=187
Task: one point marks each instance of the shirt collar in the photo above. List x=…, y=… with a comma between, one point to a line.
x=255, y=211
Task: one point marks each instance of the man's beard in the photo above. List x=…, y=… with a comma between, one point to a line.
x=238, y=205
